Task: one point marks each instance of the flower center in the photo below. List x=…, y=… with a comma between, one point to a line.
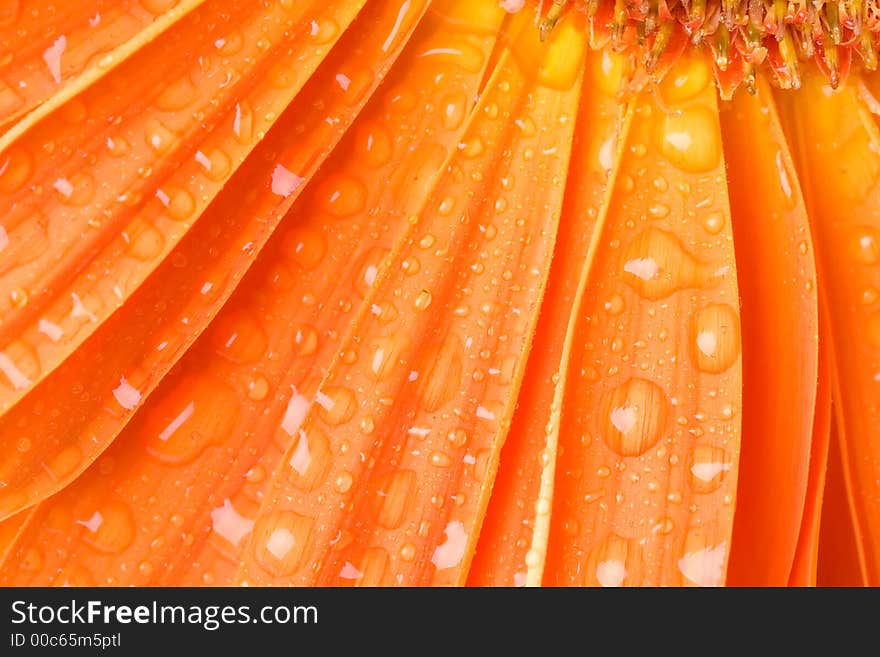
x=741, y=36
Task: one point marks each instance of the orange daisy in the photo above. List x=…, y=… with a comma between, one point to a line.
x=414, y=292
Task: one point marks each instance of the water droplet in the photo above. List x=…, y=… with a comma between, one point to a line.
x=177, y=95
x=865, y=245
x=110, y=528
x=440, y=460
x=281, y=539
x=310, y=459
x=716, y=338
x=450, y=553
x=256, y=474
x=336, y=405
x=374, y=145
x=145, y=242
x=343, y=482
x=323, y=30
x=407, y=552
x=368, y=269
x=658, y=211
x=216, y=164
x=77, y=190
x=613, y=562
x=118, y=146
x=183, y=420
x=18, y=297
x=306, y=340
x=615, y=305
x=472, y=147
x=634, y=416
x=180, y=203
x=656, y=264
x=446, y=206
x=341, y=195
x=423, y=300
x=453, y=108
x=702, y=563
x=305, y=246
x=708, y=467
x=238, y=337
x=258, y=388
x=158, y=137
x=713, y=223
x=457, y=438
x=386, y=352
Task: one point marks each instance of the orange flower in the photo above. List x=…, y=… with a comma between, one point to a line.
x=439, y=292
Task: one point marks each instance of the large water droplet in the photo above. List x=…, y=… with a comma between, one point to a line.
x=341, y=195
x=614, y=562
x=238, y=337
x=633, y=416
x=708, y=467
x=310, y=459
x=656, y=264
x=182, y=421
x=281, y=539
x=109, y=528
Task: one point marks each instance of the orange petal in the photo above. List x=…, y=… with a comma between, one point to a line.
x=838, y=145
x=416, y=404
x=806, y=557
x=517, y=508
x=52, y=52
x=10, y=528
x=780, y=329
x=839, y=562
x=324, y=258
x=649, y=440
x=65, y=229
x=161, y=319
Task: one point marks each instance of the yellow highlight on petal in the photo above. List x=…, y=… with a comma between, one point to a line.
x=564, y=57
x=686, y=79
x=691, y=139
x=608, y=71
x=479, y=16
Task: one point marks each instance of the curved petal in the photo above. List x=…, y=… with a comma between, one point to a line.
x=435, y=390
x=516, y=513
x=96, y=389
x=649, y=441
x=780, y=328
x=51, y=52
x=838, y=148
x=233, y=389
